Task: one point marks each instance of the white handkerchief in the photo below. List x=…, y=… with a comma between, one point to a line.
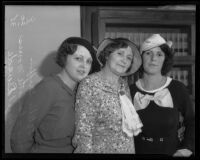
x=131, y=123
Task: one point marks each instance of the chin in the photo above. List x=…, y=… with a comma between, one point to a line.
x=122, y=72
x=153, y=73
x=78, y=79
x=119, y=73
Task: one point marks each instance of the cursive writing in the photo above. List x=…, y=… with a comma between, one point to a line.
x=21, y=20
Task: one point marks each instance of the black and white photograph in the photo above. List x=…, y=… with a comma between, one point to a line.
x=99, y=79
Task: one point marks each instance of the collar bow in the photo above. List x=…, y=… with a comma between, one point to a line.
x=162, y=98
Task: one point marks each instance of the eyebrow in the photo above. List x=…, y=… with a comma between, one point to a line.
x=130, y=55
x=80, y=55
x=122, y=50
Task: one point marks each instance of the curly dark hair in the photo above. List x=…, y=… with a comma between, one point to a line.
x=168, y=62
x=64, y=50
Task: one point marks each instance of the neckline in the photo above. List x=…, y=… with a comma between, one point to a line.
x=65, y=86
x=138, y=84
x=108, y=83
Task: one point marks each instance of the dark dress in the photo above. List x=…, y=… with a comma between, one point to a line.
x=46, y=122
x=160, y=124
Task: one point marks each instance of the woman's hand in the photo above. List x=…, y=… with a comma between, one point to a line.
x=182, y=153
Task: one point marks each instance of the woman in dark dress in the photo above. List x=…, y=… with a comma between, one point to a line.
x=158, y=100
x=46, y=122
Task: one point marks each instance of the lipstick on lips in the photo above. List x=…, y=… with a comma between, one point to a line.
x=151, y=64
x=82, y=72
x=122, y=66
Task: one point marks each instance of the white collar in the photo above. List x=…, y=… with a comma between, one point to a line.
x=138, y=84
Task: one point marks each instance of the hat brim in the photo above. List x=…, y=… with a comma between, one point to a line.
x=137, y=61
x=168, y=43
x=155, y=40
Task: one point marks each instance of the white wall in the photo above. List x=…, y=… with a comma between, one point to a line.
x=32, y=35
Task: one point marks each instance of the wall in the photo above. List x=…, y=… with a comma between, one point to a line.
x=32, y=36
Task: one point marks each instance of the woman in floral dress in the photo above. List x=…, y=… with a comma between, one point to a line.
x=105, y=118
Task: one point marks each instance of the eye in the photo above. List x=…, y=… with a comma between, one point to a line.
x=147, y=53
x=119, y=53
x=160, y=54
x=89, y=61
x=129, y=58
x=78, y=58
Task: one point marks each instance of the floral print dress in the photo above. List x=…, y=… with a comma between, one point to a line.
x=99, y=118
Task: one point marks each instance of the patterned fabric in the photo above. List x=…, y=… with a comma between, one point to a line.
x=99, y=118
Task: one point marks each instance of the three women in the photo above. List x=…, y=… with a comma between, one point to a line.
x=106, y=120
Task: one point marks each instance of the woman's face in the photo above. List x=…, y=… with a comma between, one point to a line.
x=120, y=60
x=78, y=65
x=153, y=60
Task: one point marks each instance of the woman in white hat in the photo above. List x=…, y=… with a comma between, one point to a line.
x=106, y=120
x=158, y=100
x=46, y=122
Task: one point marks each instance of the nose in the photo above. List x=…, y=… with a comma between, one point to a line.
x=153, y=57
x=124, y=60
x=85, y=64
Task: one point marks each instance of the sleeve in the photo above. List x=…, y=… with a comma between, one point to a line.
x=84, y=118
x=188, y=119
x=34, y=108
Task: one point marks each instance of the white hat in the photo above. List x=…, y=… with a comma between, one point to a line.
x=154, y=41
x=137, y=61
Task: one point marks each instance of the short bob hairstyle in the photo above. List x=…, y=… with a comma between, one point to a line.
x=69, y=47
x=110, y=48
x=168, y=62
